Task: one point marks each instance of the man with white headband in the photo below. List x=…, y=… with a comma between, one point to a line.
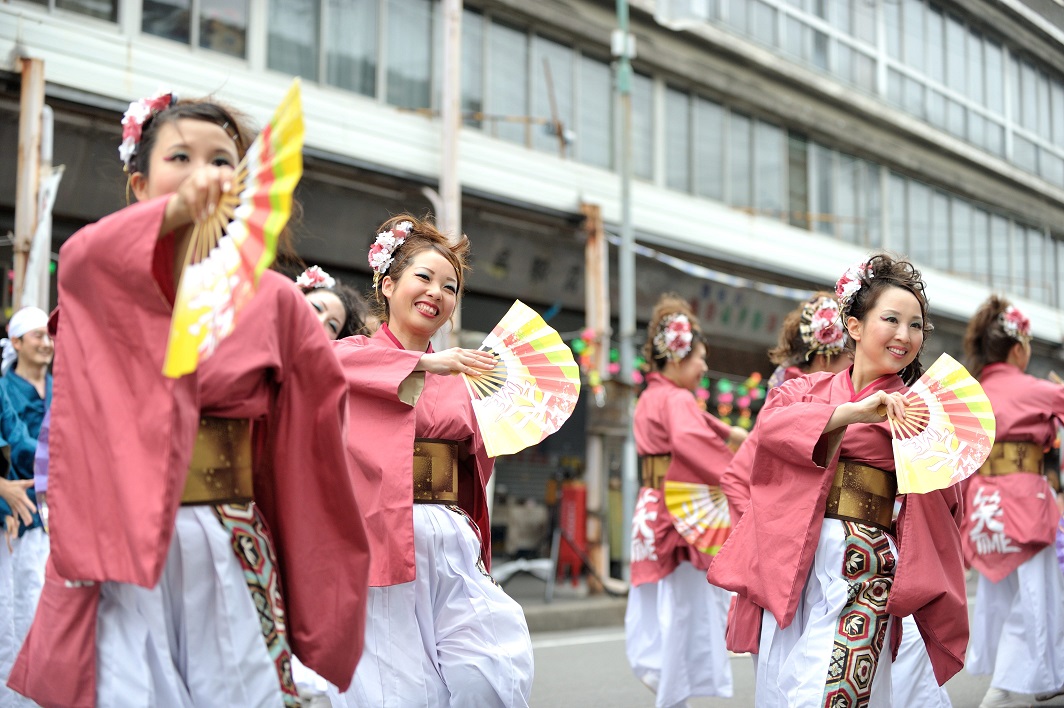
x=25, y=396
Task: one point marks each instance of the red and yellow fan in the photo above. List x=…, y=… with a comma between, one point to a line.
x=948, y=430
x=533, y=388
x=228, y=253
x=699, y=514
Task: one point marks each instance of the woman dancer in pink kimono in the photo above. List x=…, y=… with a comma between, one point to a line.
x=155, y=539
x=817, y=546
x=1011, y=516
x=439, y=631
x=675, y=622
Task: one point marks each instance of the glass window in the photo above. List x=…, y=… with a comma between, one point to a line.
x=1052, y=167
x=740, y=172
x=976, y=65
x=936, y=45
x=919, y=212
x=643, y=126
x=822, y=168
x=292, y=44
x=1059, y=276
x=961, y=236
x=507, y=90
x=1000, y=253
x=913, y=32
x=873, y=209
x=938, y=250
x=913, y=96
x=897, y=209
x=351, y=45
x=936, y=109
x=973, y=256
x=223, y=26
x=956, y=59
x=864, y=21
x=895, y=84
x=408, y=53
x=1025, y=154
x=956, y=119
x=847, y=187
x=103, y=9
x=892, y=23
x=797, y=38
x=1045, y=129
x=167, y=18
x=472, y=67
x=677, y=140
x=709, y=149
x=1028, y=96
x=769, y=153
x=1038, y=287
x=864, y=71
x=763, y=23
x=820, y=50
x=1056, y=101
x=798, y=180
x=594, y=122
x=995, y=77
x=551, y=98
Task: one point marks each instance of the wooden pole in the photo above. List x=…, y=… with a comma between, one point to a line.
x=31, y=107
x=597, y=313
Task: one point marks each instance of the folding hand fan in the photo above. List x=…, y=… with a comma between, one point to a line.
x=533, y=388
x=229, y=252
x=699, y=513
x=948, y=429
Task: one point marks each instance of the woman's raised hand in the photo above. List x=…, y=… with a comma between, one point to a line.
x=197, y=197
x=878, y=407
x=457, y=361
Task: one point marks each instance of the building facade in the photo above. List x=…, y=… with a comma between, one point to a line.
x=775, y=142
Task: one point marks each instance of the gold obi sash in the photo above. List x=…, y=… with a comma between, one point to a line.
x=220, y=470
x=654, y=468
x=435, y=471
x=1009, y=457
x=862, y=494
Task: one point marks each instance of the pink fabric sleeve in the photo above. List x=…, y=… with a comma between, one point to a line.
x=698, y=452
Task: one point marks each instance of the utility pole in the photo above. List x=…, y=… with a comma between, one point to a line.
x=31, y=109
x=623, y=46
x=597, y=319
x=451, y=117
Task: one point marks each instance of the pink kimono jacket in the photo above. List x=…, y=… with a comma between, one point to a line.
x=122, y=436
x=744, y=617
x=770, y=552
x=393, y=405
x=668, y=421
x=1008, y=519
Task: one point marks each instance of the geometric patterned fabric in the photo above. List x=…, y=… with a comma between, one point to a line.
x=254, y=550
x=868, y=567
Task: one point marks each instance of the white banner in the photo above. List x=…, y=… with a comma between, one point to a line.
x=36, y=288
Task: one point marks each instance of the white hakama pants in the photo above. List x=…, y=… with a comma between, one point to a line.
x=194, y=639
x=793, y=663
x=674, y=636
x=1017, y=629
x=451, y=637
x=913, y=682
x=21, y=582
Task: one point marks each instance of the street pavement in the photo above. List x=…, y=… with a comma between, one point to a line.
x=580, y=661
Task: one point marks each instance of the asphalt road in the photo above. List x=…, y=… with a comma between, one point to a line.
x=588, y=668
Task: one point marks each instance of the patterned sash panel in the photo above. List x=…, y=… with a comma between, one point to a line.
x=868, y=567
x=254, y=550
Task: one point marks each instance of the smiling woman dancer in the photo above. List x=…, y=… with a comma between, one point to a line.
x=154, y=541
x=439, y=631
x=816, y=547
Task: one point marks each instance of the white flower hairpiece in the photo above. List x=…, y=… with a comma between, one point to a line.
x=313, y=278
x=382, y=250
x=821, y=327
x=133, y=120
x=850, y=282
x=1015, y=324
x=674, y=337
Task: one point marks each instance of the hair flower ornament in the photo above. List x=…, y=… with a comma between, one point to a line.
x=382, y=250
x=850, y=282
x=821, y=328
x=674, y=338
x=133, y=120
x=313, y=278
x=1016, y=324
